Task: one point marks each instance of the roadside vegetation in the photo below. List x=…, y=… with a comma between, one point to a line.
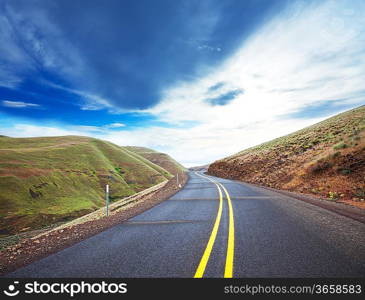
x=326, y=159
x=55, y=179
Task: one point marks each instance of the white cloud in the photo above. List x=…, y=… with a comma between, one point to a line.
x=204, y=144
x=18, y=104
x=194, y=146
x=97, y=129
x=30, y=41
x=28, y=130
x=116, y=125
x=293, y=61
x=308, y=55
x=90, y=101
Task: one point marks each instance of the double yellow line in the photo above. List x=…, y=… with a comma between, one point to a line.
x=228, y=270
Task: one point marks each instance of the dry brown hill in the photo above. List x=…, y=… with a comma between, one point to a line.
x=326, y=159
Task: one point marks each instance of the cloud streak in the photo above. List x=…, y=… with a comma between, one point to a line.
x=18, y=104
x=116, y=125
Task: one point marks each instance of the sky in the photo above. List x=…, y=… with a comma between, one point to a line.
x=199, y=80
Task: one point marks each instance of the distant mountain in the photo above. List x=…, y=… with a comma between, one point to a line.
x=49, y=179
x=161, y=159
x=326, y=159
x=203, y=168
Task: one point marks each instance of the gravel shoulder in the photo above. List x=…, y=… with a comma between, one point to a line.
x=341, y=208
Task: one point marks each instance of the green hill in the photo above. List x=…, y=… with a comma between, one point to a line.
x=161, y=159
x=326, y=159
x=49, y=179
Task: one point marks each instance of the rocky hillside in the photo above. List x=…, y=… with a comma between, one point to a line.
x=50, y=179
x=326, y=159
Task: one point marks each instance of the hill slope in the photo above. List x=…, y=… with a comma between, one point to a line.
x=49, y=179
x=161, y=159
x=325, y=159
x=202, y=168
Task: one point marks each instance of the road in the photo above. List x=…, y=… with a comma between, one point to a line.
x=215, y=227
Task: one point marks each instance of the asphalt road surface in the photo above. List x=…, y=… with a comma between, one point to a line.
x=216, y=227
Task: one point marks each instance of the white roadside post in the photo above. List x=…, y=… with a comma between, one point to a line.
x=107, y=199
x=177, y=180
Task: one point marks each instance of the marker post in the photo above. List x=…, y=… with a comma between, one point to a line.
x=107, y=199
x=177, y=180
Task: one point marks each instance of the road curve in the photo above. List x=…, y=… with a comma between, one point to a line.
x=216, y=227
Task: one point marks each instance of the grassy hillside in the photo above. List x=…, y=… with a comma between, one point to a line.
x=161, y=159
x=326, y=159
x=49, y=179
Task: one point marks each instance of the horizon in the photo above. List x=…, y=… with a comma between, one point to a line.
x=196, y=80
x=88, y=136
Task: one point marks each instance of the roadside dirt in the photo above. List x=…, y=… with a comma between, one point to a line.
x=322, y=171
x=33, y=249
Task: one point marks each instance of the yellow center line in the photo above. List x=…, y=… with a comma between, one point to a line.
x=228, y=271
x=204, y=260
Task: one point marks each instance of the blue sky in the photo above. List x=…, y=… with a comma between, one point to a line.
x=197, y=79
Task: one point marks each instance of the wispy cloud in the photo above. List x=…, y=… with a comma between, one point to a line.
x=30, y=42
x=116, y=125
x=302, y=57
x=209, y=48
x=89, y=101
x=97, y=129
x=30, y=130
x=18, y=104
